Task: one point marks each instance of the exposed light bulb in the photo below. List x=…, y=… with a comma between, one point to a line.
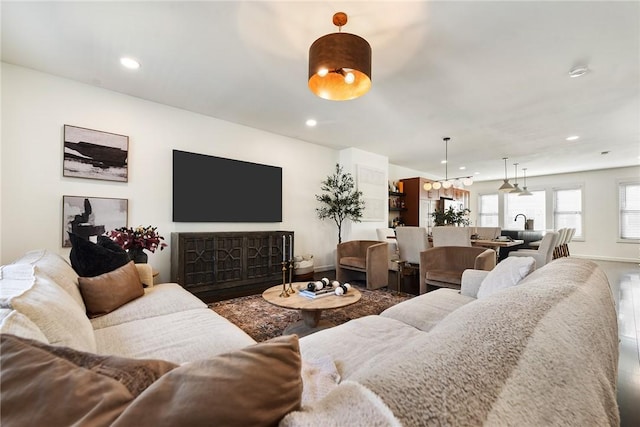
x=323, y=72
x=349, y=78
x=467, y=181
x=447, y=184
x=427, y=186
x=436, y=185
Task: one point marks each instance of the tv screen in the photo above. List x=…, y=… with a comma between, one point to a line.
x=215, y=189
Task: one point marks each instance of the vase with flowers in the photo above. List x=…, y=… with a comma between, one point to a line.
x=136, y=240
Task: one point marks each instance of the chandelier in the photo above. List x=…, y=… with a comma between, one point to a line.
x=340, y=64
x=446, y=184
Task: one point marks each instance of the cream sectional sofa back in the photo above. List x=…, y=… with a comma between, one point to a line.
x=56, y=268
x=43, y=287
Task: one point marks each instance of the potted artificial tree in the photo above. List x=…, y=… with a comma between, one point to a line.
x=340, y=199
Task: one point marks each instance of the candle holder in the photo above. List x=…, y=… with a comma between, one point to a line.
x=290, y=289
x=284, y=293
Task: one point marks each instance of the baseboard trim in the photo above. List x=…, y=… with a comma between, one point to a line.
x=607, y=258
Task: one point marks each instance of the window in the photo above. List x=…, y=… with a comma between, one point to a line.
x=567, y=210
x=629, y=211
x=533, y=207
x=488, y=211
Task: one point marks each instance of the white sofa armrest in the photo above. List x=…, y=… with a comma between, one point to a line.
x=471, y=280
x=145, y=271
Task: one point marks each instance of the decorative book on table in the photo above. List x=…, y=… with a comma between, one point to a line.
x=317, y=294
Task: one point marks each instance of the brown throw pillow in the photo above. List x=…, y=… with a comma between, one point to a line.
x=255, y=386
x=58, y=386
x=104, y=293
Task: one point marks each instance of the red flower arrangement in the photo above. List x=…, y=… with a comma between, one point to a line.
x=138, y=238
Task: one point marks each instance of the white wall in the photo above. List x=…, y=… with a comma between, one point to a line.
x=600, y=209
x=350, y=159
x=35, y=106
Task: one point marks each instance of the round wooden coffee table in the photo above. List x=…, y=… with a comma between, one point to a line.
x=311, y=308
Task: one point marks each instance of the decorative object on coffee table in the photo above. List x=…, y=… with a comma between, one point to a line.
x=136, y=240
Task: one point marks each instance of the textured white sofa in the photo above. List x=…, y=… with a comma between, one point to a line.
x=541, y=353
x=40, y=299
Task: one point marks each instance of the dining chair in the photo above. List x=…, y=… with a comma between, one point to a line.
x=411, y=241
x=562, y=235
x=572, y=232
x=388, y=235
x=451, y=236
x=544, y=253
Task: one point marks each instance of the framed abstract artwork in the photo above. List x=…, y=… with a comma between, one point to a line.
x=89, y=217
x=95, y=154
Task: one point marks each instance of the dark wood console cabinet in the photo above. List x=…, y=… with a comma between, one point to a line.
x=220, y=265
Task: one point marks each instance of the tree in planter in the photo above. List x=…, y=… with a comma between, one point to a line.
x=451, y=216
x=340, y=200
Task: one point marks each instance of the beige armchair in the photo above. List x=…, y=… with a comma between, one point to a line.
x=363, y=257
x=442, y=266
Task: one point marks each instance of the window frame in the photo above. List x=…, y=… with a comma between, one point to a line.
x=505, y=207
x=580, y=187
x=480, y=215
x=620, y=184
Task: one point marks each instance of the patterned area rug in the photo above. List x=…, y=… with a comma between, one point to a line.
x=262, y=320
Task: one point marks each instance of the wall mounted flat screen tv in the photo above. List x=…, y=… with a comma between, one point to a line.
x=215, y=189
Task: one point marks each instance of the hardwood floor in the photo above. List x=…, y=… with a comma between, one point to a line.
x=624, y=279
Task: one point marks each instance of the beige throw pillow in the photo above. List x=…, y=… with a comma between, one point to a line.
x=104, y=293
x=255, y=386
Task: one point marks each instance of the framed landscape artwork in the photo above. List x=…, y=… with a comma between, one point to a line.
x=89, y=217
x=95, y=154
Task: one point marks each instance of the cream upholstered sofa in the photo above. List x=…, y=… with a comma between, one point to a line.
x=40, y=299
x=543, y=352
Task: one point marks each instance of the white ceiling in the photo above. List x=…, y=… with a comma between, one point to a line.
x=493, y=75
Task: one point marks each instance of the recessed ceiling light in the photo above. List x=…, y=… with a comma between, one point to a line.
x=129, y=63
x=572, y=137
x=311, y=123
x=578, y=71
x=462, y=168
x=476, y=173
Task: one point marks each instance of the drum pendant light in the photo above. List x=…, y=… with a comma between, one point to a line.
x=340, y=64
